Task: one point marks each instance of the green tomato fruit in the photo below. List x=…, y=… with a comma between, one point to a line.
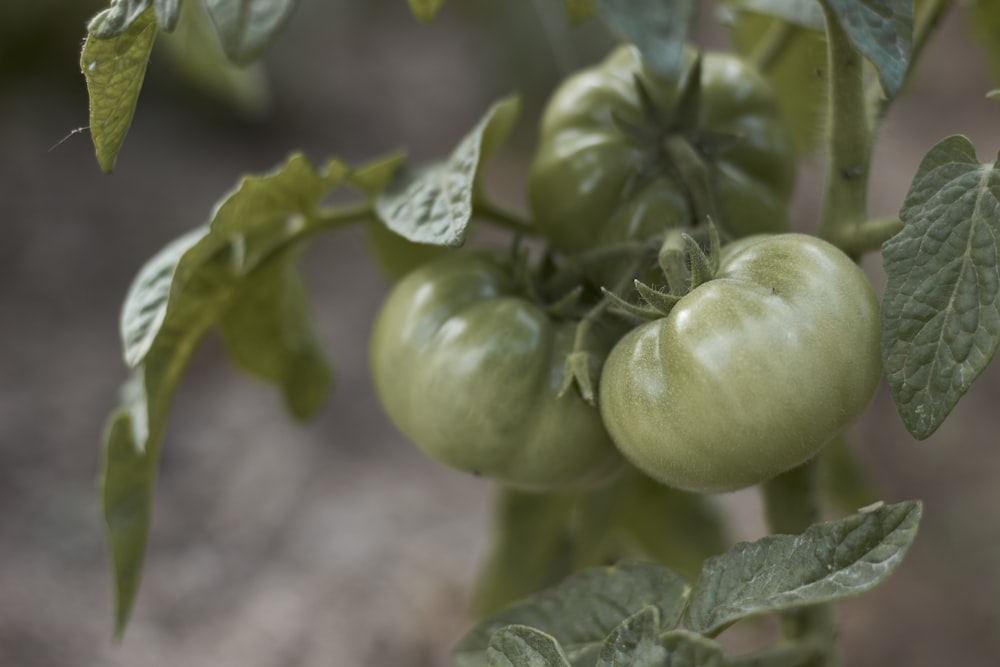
x=470, y=372
x=751, y=373
x=592, y=182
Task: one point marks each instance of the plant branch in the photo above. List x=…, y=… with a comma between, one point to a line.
x=848, y=140
x=869, y=235
x=792, y=504
x=501, y=217
x=334, y=218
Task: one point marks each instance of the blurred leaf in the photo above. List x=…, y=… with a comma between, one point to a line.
x=168, y=12
x=994, y=94
x=268, y=331
x=675, y=528
x=882, y=30
x=579, y=11
x=794, y=61
x=248, y=27
x=175, y=300
x=114, y=69
x=687, y=649
x=983, y=19
x=828, y=562
x=584, y=609
x=374, y=177
x=658, y=29
x=521, y=646
x=425, y=10
x=197, y=55
x=807, y=14
x=941, y=310
x=433, y=204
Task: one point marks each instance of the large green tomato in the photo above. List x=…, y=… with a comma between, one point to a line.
x=751, y=373
x=593, y=183
x=470, y=372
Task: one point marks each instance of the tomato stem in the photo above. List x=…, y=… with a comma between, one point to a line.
x=334, y=218
x=849, y=137
x=869, y=235
x=791, y=503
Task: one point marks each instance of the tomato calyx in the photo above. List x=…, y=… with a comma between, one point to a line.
x=685, y=264
x=673, y=145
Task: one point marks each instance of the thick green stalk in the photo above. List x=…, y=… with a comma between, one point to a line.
x=849, y=138
x=792, y=504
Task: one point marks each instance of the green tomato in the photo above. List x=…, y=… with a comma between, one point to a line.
x=395, y=255
x=593, y=183
x=471, y=372
x=751, y=373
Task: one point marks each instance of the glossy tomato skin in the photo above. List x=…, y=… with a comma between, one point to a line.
x=470, y=372
x=751, y=373
x=583, y=187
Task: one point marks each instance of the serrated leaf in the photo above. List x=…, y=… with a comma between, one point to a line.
x=634, y=642
x=248, y=27
x=941, y=310
x=806, y=14
x=579, y=11
x=114, y=69
x=176, y=299
x=433, y=204
x=584, y=609
x=168, y=12
x=675, y=528
x=829, y=562
x=658, y=29
x=882, y=30
x=521, y=646
x=268, y=331
x=196, y=54
x=117, y=18
x=797, y=72
x=425, y=10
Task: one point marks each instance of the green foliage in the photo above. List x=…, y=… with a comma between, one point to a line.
x=433, y=204
x=941, y=310
x=828, y=562
x=658, y=29
x=882, y=30
x=237, y=272
x=584, y=609
x=983, y=17
x=114, y=68
x=248, y=27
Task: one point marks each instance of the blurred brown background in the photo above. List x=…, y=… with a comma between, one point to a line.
x=335, y=543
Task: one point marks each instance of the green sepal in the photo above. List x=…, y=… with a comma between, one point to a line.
x=623, y=307
x=659, y=301
x=579, y=370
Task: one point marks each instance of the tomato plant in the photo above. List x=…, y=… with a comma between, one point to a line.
x=665, y=172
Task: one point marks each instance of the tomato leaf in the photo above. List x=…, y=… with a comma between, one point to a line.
x=658, y=29
x=425, y=10
x=829, y=562
x=433, y=204
x=196, y=54
x=117, y=18
x=268, y=331
x=882, y=30
x=635, y=641
x=519, y=646
x=114, y=69
x=248, y=27
x=796, y=70
x=375, y=176
x=983, y=18
x=941, y=310
x=584, y=609
x=177, y=298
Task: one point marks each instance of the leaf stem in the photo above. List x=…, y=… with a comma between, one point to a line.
x=502, y=217
x=334, y=218
x=770, y=46
x=792, y=504
x=849, y=137
x=869, y=235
